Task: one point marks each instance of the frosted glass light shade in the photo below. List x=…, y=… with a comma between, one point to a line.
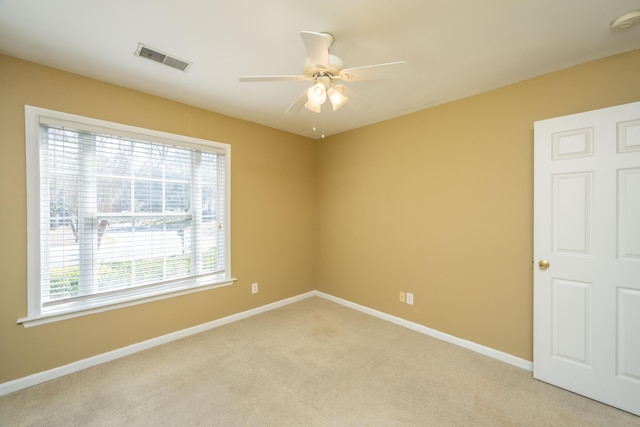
x=337, y=98
x=315, y=108
x=317, y=94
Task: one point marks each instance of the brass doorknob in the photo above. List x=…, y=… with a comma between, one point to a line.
x=543, y=264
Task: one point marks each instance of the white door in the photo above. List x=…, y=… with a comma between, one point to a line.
x=587, y=227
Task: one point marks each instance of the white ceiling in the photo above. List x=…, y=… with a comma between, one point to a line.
x=453, y=48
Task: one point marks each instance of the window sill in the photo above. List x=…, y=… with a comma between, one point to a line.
x=72, y=312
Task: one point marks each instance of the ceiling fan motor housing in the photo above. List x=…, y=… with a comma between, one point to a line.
x=314, y=70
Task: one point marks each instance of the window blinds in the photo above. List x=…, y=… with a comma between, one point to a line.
x=120, y=213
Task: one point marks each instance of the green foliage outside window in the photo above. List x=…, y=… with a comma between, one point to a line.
x=64, y=280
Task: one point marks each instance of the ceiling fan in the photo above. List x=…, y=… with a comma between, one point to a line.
x=324, y=71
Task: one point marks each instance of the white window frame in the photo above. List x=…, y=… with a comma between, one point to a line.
x=36, y=315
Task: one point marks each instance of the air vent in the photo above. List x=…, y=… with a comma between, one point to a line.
x=154, y=55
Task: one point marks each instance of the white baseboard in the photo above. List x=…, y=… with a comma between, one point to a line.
x=40, y=377
x=470, y=345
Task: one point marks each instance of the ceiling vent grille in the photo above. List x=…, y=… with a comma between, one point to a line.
x=155, y=55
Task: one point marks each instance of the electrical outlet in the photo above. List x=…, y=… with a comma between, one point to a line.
x=402, y=296
x=254, y=288
x=409, y=298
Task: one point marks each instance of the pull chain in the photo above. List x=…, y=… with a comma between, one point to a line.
x=314, y=128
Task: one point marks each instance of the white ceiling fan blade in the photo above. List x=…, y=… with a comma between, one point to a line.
x=374, y=72
x=317, y=45
x=297, y=104
x=272, y=78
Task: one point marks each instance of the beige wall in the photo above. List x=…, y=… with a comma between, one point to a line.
x=273, y=218
x=439, y=203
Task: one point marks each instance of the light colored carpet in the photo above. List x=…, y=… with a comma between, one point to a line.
x=311, y=363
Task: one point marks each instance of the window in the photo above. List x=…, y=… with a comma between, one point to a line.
x=120, y=215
